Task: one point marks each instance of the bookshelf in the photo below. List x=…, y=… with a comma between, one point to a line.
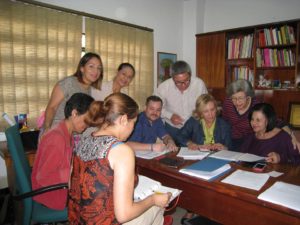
x=268, y=55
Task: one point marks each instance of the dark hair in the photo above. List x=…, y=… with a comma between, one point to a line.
x=84, y=59
x=240, y=85
x=113, y=106
x=78, y=101
x=124, y=65
x=180, y=67
x=269, y=113
x=153, y=98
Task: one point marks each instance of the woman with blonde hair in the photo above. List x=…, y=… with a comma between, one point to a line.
x=204, y=129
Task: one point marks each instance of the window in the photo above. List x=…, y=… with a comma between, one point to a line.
x=39, y=46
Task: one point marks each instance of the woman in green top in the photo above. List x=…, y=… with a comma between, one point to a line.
x=204, y=129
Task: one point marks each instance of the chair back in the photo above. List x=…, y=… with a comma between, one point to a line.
x=21, y=168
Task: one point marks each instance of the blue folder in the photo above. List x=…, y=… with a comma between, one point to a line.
x=208, y=164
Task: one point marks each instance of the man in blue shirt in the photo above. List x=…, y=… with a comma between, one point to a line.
x=149, y=127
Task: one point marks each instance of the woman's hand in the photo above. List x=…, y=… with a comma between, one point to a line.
x=162, y=199
x=273, y=157
x=192, y=146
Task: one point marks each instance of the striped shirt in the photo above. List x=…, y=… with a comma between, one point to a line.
x=240, y=126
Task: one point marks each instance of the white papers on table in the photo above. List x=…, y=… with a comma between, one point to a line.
x=147, y=154
x=192, y=154
x=236, y=156
x=147, y=186
x=247, y=179
x=284, y=194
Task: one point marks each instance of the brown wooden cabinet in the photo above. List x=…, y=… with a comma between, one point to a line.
x=210, y=64
x=270, y=51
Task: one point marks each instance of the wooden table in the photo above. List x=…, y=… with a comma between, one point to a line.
x=222, y=202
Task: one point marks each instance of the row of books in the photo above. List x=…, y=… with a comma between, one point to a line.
x=274, y=57
x=276, y=36
x=243, y=72
x=240, y=47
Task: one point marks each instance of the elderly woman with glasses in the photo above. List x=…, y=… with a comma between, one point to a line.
x=236, y=107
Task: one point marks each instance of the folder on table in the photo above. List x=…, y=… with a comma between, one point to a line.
x=207, y=169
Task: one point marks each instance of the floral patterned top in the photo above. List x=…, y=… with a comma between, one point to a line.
x=91, y=191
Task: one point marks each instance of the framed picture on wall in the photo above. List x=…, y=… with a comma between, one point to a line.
x=164, y=64
x=294, y=114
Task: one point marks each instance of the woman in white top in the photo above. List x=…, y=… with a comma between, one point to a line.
x=122, y=79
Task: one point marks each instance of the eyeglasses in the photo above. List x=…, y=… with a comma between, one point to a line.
x=238, y=99
x=179, y=83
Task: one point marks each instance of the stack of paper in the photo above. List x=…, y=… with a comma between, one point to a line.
x=237, y=156
x=207, y=169
x=284, y=194
x=147, y=186
x=192, y=154
x=247, y=179
x=147, y=154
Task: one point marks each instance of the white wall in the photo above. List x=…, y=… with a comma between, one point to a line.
x=175, y=22
x=164, y=16
x=225, y=14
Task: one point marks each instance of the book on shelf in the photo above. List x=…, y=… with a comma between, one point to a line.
x=247, y=179
x=281, y=193
x=189, y=154
x=207, y=169
x=236, y=156
x=147, y=186
x=148, y=154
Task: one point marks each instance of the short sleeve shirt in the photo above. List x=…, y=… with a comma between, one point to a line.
x=145, y=132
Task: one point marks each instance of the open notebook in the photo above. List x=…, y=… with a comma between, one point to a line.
x=147, y=154
x=148, y=186
x=192, y=154
x=237, y=156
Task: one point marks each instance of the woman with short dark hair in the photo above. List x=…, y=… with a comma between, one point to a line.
x=268, y=140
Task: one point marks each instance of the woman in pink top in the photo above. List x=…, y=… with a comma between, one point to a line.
x=52, y=164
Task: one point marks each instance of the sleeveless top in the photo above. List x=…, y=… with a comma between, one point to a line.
x=69, y=86
x=91, y=191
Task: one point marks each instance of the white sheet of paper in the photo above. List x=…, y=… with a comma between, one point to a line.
x=192, y=154
x=275, y=174
x=284, y=194
x=247, y=179
x=147, y=154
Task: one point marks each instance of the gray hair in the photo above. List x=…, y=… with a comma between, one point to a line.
x=240, y=85
x=180, y=67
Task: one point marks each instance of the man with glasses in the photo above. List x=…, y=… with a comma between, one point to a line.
x=179, y=94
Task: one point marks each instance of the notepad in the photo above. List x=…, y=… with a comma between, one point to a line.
x=147, y=186
x=237, y=156
x=207, y=169
x=147, y=154
x=247, y=179
x=284, y=194
x=192, y=154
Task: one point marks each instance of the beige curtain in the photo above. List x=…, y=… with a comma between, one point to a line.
x=117, y=43
x=38, y=46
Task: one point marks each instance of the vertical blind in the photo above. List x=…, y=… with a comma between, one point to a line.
x=38, y=46
x=116, y=44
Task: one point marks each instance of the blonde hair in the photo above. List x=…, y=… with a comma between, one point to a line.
x=113, y=106
x=201, y=102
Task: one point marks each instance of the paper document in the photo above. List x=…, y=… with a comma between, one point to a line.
x=236, y=156
x=147, y=186
x=284, y=194
x=192, y=154
x=247, y=179
x=147, y=154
